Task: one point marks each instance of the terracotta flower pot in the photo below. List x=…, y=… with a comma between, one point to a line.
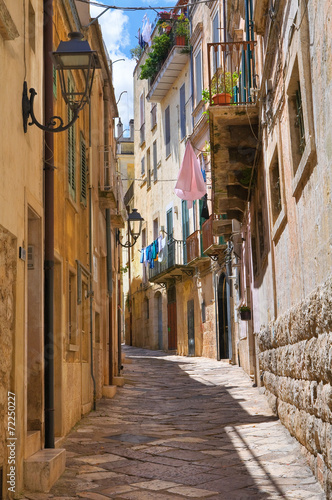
x=222, y=99
x=245, y=315
x=180, y=40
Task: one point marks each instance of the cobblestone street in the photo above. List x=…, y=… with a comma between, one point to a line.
x=183, y=428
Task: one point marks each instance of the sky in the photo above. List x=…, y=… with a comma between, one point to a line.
x=120, y=29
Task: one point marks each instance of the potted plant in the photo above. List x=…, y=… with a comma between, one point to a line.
x=156, y=57
x=181, y=30
x=245, y=313
x=222, y=87
x=164, y=15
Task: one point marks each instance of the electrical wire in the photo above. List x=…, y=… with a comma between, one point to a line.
x=97, y=4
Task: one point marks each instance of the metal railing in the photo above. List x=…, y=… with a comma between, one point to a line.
x=193, y=246
x=173, y=256
x=231, y=69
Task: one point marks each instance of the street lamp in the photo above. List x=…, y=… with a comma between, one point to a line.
x=134, y=228
x=74, y=54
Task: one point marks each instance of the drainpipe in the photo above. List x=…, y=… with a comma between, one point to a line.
x=110, y=292
x=91, y=293
x=108, y=240
x=49, y=230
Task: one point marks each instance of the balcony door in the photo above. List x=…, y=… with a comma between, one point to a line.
x=170, y=242
x=171, y=319
x=224, y=340
x=185, y=228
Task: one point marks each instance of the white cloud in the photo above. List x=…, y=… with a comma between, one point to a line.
x=115, y=29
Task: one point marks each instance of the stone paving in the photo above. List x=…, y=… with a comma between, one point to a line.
x=183, y=428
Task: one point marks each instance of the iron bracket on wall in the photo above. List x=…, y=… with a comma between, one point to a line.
x=27, y=111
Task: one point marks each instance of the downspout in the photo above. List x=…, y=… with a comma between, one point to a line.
x=216, y=281
x=91, y=293
x=49, y=230
x=225, y=20
x=108, y=242
x=110, y=292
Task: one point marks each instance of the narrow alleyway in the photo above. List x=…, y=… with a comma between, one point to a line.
x=183, y=428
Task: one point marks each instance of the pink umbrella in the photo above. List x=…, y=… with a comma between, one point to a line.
x=190, y=184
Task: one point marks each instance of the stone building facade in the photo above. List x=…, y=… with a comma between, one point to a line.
x=88, y=210
x=270, y=157
x=175, y=300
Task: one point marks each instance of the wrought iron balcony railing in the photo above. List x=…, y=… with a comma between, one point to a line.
x=231, y=69
x=174, y=255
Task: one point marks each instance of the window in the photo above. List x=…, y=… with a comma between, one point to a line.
x=153, y=115
x=182, y=112
x=198, y=77
x=185, y=228
x=83, y=171
x=275, y=188
x=148, y=168
x=143, y=166
x=71, y=308
x=215, y=38
x=142, y=119
x=167, y=132
x=155, y=229
x=144, y=277
x=296, y=121
x=155, y=163
x=71, y=147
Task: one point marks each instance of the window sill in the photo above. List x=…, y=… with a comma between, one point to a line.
x=303, y=169
x=279, y=225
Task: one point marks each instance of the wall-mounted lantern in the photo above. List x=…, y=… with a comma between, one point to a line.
x=73, y=55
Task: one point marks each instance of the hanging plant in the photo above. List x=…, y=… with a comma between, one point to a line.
x=156, y=57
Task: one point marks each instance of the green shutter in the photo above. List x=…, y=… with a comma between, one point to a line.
x=54, y=81
x=83, y=171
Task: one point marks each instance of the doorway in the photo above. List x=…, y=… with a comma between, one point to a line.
x=159, y=302
x=34, y=363
x=191, y=327
x=224, y=348
x=171, y=319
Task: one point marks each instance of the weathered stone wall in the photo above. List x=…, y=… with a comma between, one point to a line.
x=7, y=323
x=296, y=365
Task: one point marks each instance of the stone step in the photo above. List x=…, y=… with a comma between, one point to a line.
x=32, y=443
x=109, y=391
x=43, y=469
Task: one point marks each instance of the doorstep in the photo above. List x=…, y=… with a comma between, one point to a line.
x=43, y=469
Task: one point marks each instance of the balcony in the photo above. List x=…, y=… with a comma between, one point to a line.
x=213, y=246
x=173, y=267
x=172, y=67
x=195, y=254
x=234, y=123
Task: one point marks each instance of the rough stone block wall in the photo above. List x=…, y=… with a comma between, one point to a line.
x=7, y=322
x=296, y=365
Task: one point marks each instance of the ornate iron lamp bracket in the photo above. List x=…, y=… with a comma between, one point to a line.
x=56, y=122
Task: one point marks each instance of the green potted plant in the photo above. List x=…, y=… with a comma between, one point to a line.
x=245, y=313
x=222, y=87
x=156, y=57
x=181, y=30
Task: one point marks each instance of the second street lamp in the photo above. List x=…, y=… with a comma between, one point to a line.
x=75, y=54
x=134, y=228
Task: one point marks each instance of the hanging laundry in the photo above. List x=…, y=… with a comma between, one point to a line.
x=162, y=253
x=141, y=42
x=146, y=30
x=205, y=209
x=142, y=256
x=203, y=168
x=190, y=183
